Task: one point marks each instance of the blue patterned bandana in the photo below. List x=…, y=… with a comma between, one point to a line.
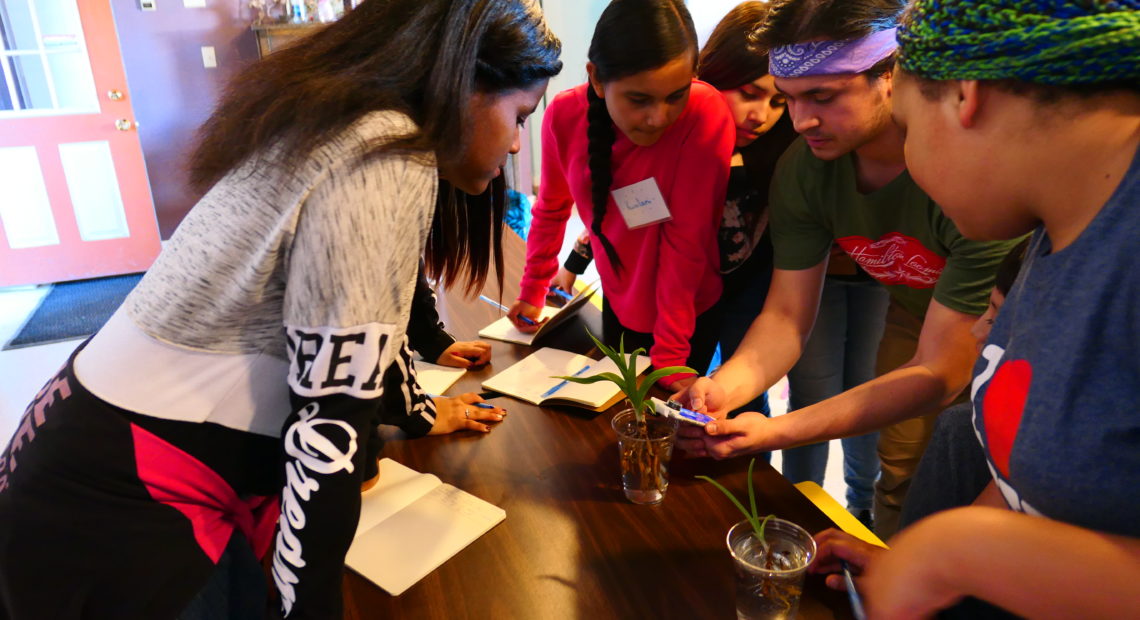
x=831, y=57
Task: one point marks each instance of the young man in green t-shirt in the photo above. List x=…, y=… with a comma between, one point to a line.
x=846, y=182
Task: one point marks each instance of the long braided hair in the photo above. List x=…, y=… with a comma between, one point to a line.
x=631, y=36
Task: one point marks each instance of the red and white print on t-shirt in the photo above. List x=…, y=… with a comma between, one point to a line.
x=895, y=259
x=1003, y=405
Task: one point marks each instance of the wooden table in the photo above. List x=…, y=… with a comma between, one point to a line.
x=572, y=546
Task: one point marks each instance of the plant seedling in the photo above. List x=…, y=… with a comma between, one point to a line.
x=645, y=459
x=638, y=395
x=752, y=515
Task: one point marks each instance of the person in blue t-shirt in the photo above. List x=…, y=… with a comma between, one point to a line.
x=1031, y=109
x=953, y=469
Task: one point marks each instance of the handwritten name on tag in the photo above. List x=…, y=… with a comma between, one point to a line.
x=641, y=204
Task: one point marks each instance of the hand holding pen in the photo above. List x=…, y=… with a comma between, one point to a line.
x=838, y=554
x=526, y=318
x=464, y=412
x=558, y=296
x=523, y=322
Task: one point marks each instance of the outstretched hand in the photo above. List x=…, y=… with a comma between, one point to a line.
x=725, y=438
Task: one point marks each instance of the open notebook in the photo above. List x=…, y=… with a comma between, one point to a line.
x=503, y=329
x=530, y=379
x=410, y=523
x=436, y=379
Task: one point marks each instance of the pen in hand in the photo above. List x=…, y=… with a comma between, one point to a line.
x=561, y=293
x=500, y=306
x=852, y=595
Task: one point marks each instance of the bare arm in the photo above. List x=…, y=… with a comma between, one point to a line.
x=1033, y=566
x=937, y=373
x=771, y=346
x=939, y=370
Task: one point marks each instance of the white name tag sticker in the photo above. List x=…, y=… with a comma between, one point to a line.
x=641, y=204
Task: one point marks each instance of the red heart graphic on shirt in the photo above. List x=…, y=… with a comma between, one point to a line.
x=1003, y=406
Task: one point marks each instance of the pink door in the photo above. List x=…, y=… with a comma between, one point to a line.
x=74, y=198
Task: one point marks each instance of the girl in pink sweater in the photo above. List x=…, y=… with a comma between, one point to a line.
x=641, y=119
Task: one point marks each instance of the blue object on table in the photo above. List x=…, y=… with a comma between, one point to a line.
x=852, y=595
x=500, y=306
x=563, y=383
x=479, y=405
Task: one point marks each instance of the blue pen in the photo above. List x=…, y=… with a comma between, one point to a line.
x=479, y=405
x=561, y=293
x=673, y=409
x=500, y=306
x=563, y=383
x=852, y=595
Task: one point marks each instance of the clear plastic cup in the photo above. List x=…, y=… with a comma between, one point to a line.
x=769, y=580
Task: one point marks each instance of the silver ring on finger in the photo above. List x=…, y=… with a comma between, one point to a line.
x=467, y=414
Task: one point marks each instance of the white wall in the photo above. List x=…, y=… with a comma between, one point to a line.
x=573, y=22
x=707, y=13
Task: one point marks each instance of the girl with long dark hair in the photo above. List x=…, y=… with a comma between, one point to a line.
x=763, y=131
x=730, y=64
x=643, y=151
x=261, y=350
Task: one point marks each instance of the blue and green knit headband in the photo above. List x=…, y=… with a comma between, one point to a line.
x=1058, y=42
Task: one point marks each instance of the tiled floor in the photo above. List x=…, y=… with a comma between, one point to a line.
x=24, y=371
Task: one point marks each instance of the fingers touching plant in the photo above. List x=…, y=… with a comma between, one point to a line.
x=626, y=381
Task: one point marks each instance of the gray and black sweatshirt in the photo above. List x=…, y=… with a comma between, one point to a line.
x=280, y=308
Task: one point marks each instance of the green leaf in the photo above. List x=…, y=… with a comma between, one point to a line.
x=630, y=371
x=610, y=353
x=666, y=371
x=760, y=532
x=647, y=384
x=751, y=519
x=619, y=358
x=752, y=490
x=641, y=392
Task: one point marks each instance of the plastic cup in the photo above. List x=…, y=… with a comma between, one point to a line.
x=769, y=580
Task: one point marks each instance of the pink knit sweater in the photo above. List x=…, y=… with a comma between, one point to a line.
x=669, y=270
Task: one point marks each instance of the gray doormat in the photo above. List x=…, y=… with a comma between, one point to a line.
x=74, y=310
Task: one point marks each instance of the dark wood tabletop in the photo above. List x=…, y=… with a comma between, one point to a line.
x=572, y=546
